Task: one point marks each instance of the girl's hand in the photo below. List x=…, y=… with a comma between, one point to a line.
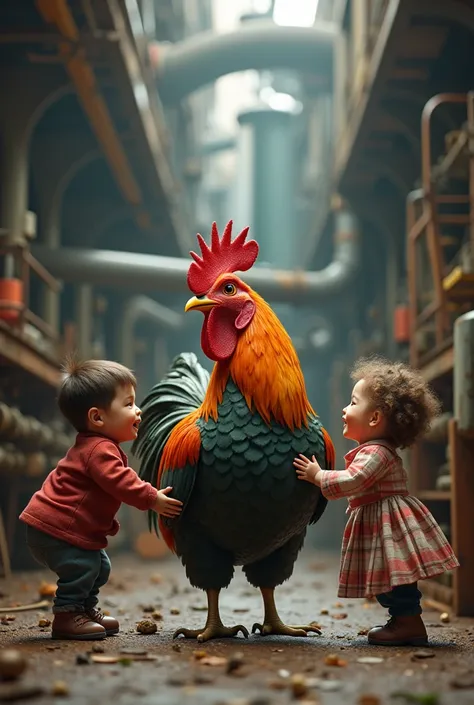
x=308, y=470
x=167, y=506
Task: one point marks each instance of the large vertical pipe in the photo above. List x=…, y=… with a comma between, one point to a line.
x=268, y=182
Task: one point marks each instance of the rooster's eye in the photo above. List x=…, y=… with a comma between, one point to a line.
x=229, y=289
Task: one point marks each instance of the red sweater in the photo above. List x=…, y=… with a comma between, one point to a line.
x=81, y=496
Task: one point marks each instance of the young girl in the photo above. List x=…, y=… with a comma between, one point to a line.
x=391, y=540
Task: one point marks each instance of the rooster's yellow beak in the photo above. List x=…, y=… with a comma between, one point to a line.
x=199, y=303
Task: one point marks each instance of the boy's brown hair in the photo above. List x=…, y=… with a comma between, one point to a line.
x=90, y=383
x=401, y=394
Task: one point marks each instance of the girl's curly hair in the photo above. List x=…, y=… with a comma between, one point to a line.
x=402, y=395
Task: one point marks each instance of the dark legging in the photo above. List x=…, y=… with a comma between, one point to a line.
x=402, y=600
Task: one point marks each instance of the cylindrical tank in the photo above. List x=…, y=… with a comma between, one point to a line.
x=464, y=371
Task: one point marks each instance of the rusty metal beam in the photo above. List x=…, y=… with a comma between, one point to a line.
x=57, y=12
x=381, y=62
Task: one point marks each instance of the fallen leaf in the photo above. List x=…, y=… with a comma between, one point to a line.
x=418, y=655
x=370, y=659
x=200, y=654
x=213, y=661
x=104, y=658
x=334, y=660
x=60, y=688
x=368, y=699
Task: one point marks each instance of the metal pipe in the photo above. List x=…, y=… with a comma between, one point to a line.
x=154, y=273
x=184, y=67
x=142, y=307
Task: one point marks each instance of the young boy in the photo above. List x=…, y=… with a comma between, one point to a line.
x=69, y=518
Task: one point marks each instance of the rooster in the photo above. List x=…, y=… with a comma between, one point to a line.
x=226, y=442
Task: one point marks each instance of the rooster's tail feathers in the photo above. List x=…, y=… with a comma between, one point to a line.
x=181, y=391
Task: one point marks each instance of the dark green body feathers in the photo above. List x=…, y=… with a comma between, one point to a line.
x=243, y=502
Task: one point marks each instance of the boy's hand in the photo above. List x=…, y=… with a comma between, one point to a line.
x=167, y=506
x=308, y=470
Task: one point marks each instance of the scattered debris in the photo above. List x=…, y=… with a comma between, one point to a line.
x=47, y=589
x=147, y=608
x=60, y=688
x=83, y=659
x=419, y=655
x=368, y=699
x=43, y=622
x=334, y=660
x=24, y=608
x=444, y=617
x=283, y=673
x=98, y=649
x=213, y=661
x=157, y=616
x=175, y=610
x=419, y=698
x=105, y=658
x=324, y=612
x=240, y=610
x=156, y=579
x=176, y=647
x=298, y=684
x=363, y=632
x=339, y=615
x=463, y=680
x=146, y=626
x=199, y=654
x=12, y=664
x=277, y=684
x=235, y=662
x=370, y=659
x=200, y=608
x=19, y=691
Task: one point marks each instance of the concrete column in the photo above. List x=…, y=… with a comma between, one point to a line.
x=268, y=186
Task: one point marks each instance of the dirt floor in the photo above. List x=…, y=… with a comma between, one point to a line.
x=335, y=667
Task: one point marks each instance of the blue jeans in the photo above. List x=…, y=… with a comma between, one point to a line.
x=81, y=573
x=402, y=600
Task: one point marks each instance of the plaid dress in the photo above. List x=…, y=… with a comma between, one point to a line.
x=390, y=538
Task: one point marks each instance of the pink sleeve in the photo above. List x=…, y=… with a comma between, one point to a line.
x=107, y=469
x=368, y=467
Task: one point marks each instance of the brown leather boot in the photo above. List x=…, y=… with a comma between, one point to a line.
x=400, y=631
x=76, y=625
x=110, y=624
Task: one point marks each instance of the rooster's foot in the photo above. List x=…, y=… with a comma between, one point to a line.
x=212, y=631
x=278, y=628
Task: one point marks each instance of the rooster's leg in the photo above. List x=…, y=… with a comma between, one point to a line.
x=272, y=623
x=214, y=628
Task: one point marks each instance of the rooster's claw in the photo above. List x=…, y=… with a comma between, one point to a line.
x=280, y=629
x=212, y=631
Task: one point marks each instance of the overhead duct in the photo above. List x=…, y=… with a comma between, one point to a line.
x=185, y=66
x=154, y=273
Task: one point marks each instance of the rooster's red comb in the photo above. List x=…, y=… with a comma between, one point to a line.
x=224, y=255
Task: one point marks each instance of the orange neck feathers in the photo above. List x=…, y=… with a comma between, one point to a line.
x=267, y=371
